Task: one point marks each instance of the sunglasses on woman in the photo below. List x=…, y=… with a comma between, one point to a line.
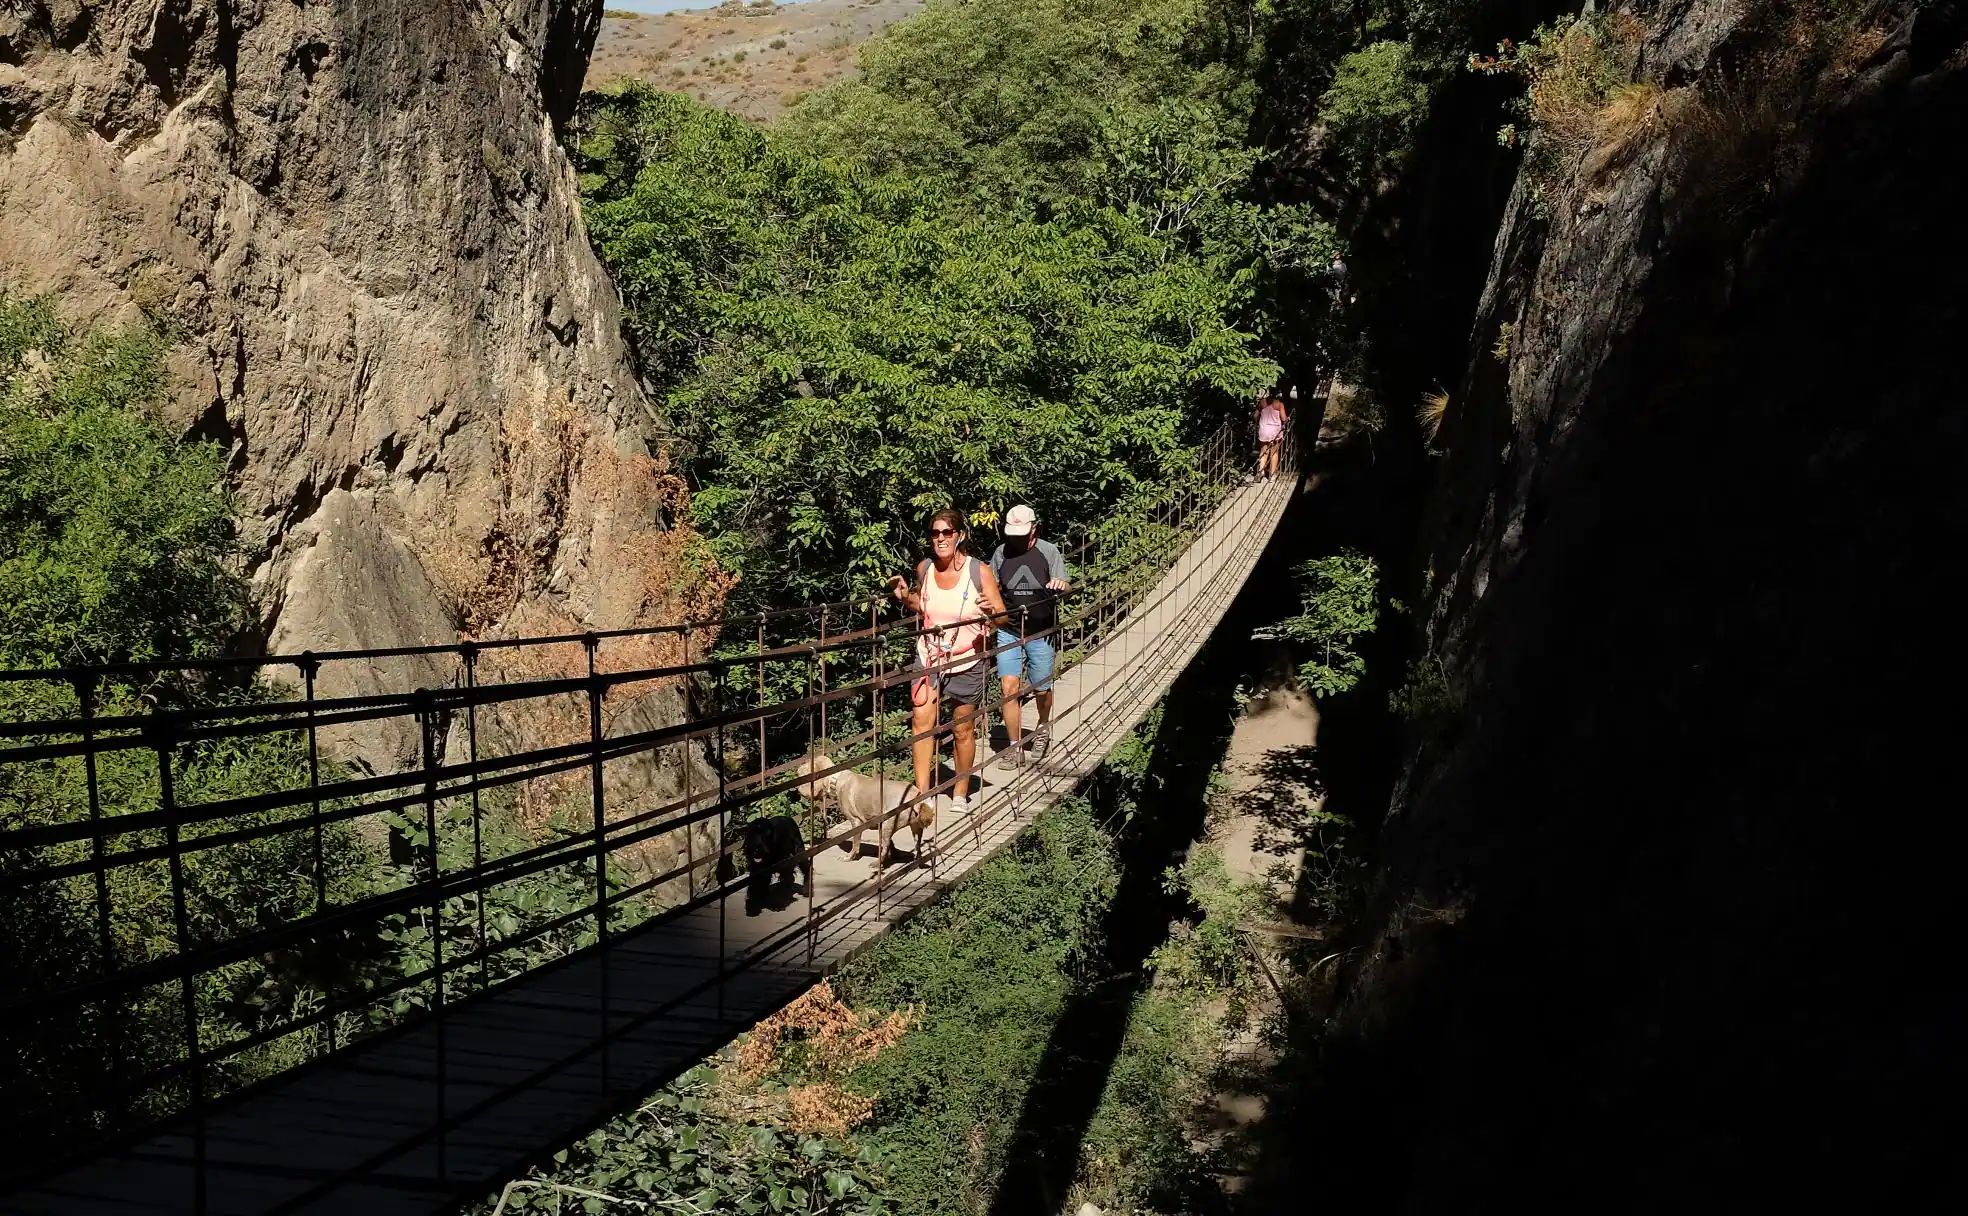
x=942, y=531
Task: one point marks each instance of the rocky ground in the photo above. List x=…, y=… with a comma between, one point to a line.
x=751, y=59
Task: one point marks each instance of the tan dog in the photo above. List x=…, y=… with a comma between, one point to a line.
x=869, y=802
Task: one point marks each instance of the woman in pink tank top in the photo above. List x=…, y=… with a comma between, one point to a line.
x=956, y=596
x=1271, y=416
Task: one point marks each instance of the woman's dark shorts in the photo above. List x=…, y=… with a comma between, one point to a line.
x=962, y=687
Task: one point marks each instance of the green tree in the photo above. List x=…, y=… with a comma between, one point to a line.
x=116, y=545
x=1339, y=604
x=1378, y=97
x=847, y=351
x=114, y=539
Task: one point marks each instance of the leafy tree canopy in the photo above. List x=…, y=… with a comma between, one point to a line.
x=1041, y=290
x=114, y=537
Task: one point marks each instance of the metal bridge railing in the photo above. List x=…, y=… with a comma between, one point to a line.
x=544, y=733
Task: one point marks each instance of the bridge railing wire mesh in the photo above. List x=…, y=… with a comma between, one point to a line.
x=536, y=797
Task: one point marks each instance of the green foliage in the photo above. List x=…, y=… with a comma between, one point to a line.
x=991, y=967
x=1378, y=98
x=114, y=538
x=1430, y=697
x=936, y=286
x=115, y=545
x=407, y=942
x=1139, y=1152
x=677, y=1153
x=1016, y=101
x=1208, y=954
x=1339, y=600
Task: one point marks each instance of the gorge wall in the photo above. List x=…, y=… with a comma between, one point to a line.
x=359, y=225
x=1664, y=874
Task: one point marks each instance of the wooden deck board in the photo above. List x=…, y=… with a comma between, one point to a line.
x=526, y=1067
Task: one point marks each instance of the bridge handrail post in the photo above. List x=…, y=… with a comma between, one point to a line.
x=427, y=716
x=1024, y=636
x=881, y=763
x=815, y=672
x=821, y=662
x=310, y=668
x=469, y=653
x=597, y=793
x=85, y=700
x=163, y=729
x=689, y=795
x=759, y=665
x=724, y=814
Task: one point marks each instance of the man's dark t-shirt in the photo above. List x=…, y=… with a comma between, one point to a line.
x=1023, y=577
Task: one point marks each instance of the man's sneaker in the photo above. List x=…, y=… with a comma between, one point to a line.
x=1041, y=739
x=1014, y=754
x=959, y=807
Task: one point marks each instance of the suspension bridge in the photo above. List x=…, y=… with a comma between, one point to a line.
x=414, y=1092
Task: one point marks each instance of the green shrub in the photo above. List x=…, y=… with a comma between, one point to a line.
x=1577, y=75
x=991, y=968
x=1429, y=697
x=678, y=1152
x=116, y=544
x=1338, y=598
x=1378, y=98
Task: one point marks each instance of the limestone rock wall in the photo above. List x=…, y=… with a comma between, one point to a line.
x=358, y=220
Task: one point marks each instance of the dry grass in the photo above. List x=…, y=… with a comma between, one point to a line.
x=1739, y=127
x=818, y=1040
x=1429, y=413
x=570, y=496
x=1635, y=110
x=754, y=48
x=1573, y=80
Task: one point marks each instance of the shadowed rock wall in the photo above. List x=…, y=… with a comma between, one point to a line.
x=1665, y=885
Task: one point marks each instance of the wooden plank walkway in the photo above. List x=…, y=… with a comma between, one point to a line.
x=419, y=1120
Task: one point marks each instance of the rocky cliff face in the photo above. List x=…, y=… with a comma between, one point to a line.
x=358, y=220
x=1661, y=871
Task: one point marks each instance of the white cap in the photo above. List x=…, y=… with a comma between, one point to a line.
x=1019, y=521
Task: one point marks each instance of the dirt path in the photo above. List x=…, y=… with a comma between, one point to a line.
x=1267, y=772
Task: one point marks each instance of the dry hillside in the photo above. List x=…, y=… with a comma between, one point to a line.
x=752, y=60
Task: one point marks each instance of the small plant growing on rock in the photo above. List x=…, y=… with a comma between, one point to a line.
x=1579, y=92
x=1429, y=414
x=1430, y=698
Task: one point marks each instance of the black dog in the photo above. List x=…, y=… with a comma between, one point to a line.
x=771, y=845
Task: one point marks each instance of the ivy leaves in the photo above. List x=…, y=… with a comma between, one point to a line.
x=680, y=1153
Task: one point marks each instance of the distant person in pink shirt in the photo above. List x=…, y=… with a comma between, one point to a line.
x=1271, y=418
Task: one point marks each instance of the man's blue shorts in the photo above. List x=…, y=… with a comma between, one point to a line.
x=1035, y=653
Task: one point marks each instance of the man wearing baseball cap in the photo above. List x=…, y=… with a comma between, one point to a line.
x=1032, y=576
